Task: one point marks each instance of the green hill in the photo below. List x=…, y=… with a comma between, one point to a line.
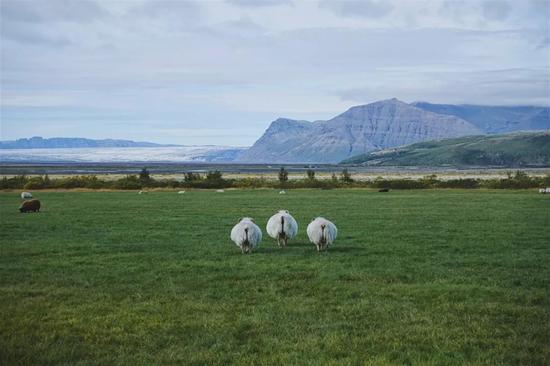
x=509, y=150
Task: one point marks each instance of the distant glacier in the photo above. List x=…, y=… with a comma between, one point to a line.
x=176, y=154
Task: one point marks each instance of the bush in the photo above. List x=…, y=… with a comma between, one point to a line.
x=36, y=183
x=191, y=177
x=283, y=175
x=346, y=176
x=128, y=182
x=459, y=183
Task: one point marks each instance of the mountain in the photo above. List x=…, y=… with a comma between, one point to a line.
x=359, y=130
x=493, y=119
x=69, y=142
x=507, y=150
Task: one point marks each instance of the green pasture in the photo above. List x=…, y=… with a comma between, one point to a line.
x=423, y=277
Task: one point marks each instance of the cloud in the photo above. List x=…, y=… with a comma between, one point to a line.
x=50, y=11
x=496, y=87
x=496, y=9
x=259, y=3
x=358, y=8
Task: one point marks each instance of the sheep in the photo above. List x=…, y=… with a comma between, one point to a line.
x=542, y=190
x=282, y=192
x=181, y=192
x=246, y=234
x=220, y=190
x=282, y=227
x=26, y=195
x=28, y=206
x=321, y=232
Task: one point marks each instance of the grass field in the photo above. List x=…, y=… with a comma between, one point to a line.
x=436, y=277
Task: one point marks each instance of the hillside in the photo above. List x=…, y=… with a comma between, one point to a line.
x=360, y=129
x=71, y=142
x=509, y=150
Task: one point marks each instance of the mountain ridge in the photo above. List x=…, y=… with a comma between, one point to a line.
x=359, y=129
x=38, y=142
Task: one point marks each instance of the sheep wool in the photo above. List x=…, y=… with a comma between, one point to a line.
x=321, y=232
x=282, y=227
x=30, y=206
x=246, y=235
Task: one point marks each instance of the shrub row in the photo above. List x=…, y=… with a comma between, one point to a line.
x=519, y=180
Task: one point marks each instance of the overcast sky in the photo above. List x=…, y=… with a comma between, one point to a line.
x=217, y=72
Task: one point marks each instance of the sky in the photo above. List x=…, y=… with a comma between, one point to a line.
x=218, y=72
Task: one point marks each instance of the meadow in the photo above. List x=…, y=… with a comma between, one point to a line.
x=431, y=277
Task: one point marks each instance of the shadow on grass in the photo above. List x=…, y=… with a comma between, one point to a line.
x=302, y=249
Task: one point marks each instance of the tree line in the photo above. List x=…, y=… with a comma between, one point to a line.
x=215, y=179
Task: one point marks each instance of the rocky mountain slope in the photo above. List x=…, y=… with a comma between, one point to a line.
x=493, y=119
x=359, y=130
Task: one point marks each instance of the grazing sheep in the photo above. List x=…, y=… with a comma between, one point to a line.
x=142, y=192
x=282, y=227
x=384, y=190
x=246, y=234
x=282, y=192
x=181, y=192
x=220, y=190
x=28, y=206
x=321, y=232
x=26, y=195
x=542, y=190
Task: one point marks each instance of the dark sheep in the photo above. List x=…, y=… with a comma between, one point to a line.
x=384, y=190
x=30, y=206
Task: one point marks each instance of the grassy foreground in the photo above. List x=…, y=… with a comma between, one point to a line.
x=415, y=277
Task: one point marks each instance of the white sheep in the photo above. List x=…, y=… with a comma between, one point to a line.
x=282, y=227
x=541, y=190
x=282, y=192
x=246, y=234
x=26, y=195
x=321, y=232
x=181, y=192
x=220, y=190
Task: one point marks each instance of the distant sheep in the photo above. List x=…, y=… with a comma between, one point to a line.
x=26, y=195
x=142, y=192
x=246, y=235
x=544, y=190
x=282, y=192
x=220, y=190
x=322, y=233
x=30, y=206
x=181, y=192
x=282, y=227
